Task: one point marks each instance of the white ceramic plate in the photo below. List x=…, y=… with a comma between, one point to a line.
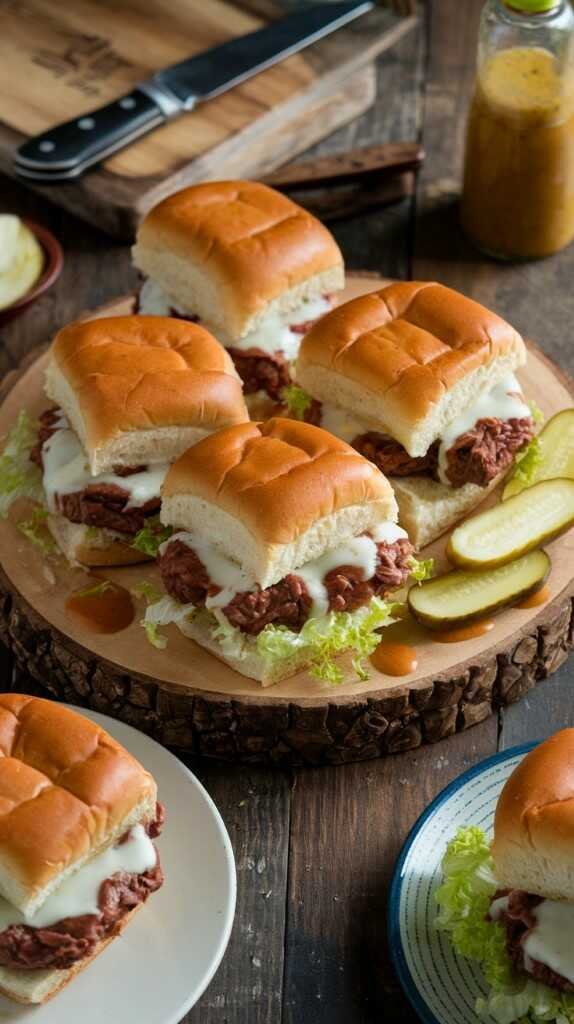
x=169, y=953
x=441, y=986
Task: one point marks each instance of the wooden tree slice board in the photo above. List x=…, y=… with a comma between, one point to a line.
x=59, y=61
x=187, y=698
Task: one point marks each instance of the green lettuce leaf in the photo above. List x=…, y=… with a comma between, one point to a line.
x=162, y=613
x=463, y=900
x=325, y=638
x=536, y=412
x=19, y=478
x=296, y=400
x=147, y=590
x=422, y=570
x=96, y=589
x=151, y=537
x=34, y=529
x=527, y=462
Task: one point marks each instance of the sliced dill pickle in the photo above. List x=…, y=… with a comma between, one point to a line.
x=460, y=596
x=556, y=446
x=516, y=526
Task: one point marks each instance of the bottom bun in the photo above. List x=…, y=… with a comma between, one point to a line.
x=427, y=508
x=252, y=664
x=34, y=987
x=91, y=545
x=261, y=406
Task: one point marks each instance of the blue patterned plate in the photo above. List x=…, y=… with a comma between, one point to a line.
x=441, y=986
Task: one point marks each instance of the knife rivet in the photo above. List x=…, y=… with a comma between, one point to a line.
x=86, y=123
x=46, y=146
x=128, y=103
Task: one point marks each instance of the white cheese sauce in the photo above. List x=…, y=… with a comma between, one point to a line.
x=153, y=301
x=66, y=471
x=359, y=552
x=79, y=893
x=498, y=907
x=272, y=334
x=551, y=940
x=503, y=402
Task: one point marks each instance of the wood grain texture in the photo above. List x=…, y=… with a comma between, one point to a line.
x=48, y=62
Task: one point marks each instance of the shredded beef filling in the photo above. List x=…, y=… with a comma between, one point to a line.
x=261, y=371
x=288, y=602
x=518, y=921
x=99, y=504
x=62, y=944
x=392, y=459
x=487, y=450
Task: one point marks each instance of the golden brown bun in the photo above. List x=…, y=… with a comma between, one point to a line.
x=92, y=545
x=275, y=495
x=36, y=987
x=410, y=357
x=533, y=847
x=139, y=389
x=226, y=250
x=67, y=792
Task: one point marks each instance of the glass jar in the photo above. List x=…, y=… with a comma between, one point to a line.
x=518, y=188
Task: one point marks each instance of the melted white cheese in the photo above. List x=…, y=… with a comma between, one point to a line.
x=341, y=423
x=79, y=893
x=272, y=334
x=359, y=552
x=551, y=940
x=153, y=301
x=502, y=402
x=66, y=471
x=498, y=908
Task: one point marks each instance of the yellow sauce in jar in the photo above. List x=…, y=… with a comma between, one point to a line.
x=518, y=191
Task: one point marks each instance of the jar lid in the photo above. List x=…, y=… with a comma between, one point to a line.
x=531, y=6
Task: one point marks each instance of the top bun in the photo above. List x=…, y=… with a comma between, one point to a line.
x=533, y=846
x=272, y=496
x=67, y=792
x=142, y=389
x=410, y=357
x=234, y=251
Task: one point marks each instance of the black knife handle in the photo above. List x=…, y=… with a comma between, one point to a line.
x=85, y=140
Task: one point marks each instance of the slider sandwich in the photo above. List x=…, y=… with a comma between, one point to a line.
x=131, y=394
x=511, y=905
x=77, y=818
x=285, y=550
x=420, y=380
x=247, y=262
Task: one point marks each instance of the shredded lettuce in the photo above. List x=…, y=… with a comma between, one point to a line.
x=19, y=478
x=463, y=899
x=151, y=537
x=161, y=613
x=92, y=533
x=422, y=570
x=325, y=638
x=527, y=462
x=34, y=529
x=147, y=590
x=297, y=401
x=536, y=412
x=96, y=589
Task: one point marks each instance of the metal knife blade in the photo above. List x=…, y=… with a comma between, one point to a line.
x=68, y=149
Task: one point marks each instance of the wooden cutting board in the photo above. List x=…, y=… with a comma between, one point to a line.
x=187, y=698
x=58, y=61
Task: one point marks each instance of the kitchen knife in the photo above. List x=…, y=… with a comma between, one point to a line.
x=66, y=150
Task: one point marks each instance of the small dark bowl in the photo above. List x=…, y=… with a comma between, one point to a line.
x=54, y=261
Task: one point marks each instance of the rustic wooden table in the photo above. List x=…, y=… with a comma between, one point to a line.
x=315, y=848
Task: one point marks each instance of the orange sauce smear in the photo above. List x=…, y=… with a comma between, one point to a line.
x=108, y=611
x=536, y=599
x=469, y=632
x=395, y=659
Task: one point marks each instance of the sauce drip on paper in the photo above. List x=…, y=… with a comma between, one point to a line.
x=101, y=606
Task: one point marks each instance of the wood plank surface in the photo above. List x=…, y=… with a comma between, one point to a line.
x=324, y=961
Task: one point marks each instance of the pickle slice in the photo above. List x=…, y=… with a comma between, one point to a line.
x=557, y=454
x=460, y=596
x=516, y=526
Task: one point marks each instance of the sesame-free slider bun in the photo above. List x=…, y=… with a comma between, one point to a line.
x=533, y=847
x=409, y=358
x=233, y=252
x=142, y=389
x=67, y=792
x=274, y=495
